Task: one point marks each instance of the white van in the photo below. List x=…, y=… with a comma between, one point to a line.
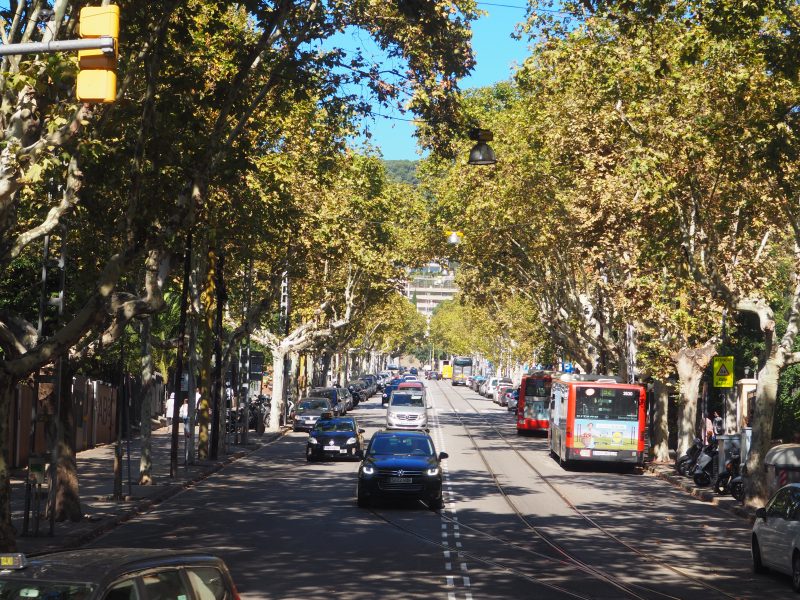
x=407, y=410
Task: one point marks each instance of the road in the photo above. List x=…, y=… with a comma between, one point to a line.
x=515, y=525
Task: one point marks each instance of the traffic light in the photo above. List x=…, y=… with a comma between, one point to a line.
x=97, y=78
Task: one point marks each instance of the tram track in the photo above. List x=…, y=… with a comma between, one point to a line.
x=567, y=556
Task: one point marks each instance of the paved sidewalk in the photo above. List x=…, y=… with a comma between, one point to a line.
x=706, y=494
x=96, y=481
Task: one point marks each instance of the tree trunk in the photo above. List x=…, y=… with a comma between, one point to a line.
x=148, y=380
x=193, y=407
x=690, y=364
x=68, y=502
x=204, y=412
x=660, y=423
x=7, y=532
x=756, y=490
x=276, y=405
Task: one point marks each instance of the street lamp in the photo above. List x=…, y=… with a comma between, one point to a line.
x=481, y=153
x=454, y=237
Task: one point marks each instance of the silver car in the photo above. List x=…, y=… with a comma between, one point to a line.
x=775, y=543
x=407, y=410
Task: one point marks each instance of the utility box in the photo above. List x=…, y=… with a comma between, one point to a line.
x=783, y=466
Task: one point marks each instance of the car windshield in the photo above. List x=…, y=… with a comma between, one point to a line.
x=16, y=590
x=334, y=426
x=401, y=445
x=408, y=400
x=312, y=405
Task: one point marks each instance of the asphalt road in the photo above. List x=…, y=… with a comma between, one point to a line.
x=515, y=524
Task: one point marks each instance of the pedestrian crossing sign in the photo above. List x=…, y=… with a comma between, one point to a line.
x=723, y=371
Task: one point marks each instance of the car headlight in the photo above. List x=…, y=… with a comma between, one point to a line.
x=350, y=441
x=312, y=440
x=432, y=472
x=368, y=470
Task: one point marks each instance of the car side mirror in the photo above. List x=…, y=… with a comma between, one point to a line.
x=362, y=431
x=761, y=513
x=443, y=455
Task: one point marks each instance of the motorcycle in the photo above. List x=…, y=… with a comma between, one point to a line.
x=723, y=482
x=705, y=465
x=685, y=464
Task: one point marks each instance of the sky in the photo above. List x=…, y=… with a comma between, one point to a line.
x=496, y=53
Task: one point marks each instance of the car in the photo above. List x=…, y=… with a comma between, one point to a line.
x=388, y=389
x=413, y=371
x=491, y=386
x=334, y=394
x=339, y=437
x=500, y=394
x=476, y=382
x=513, y=399
x=308, y=412
x=116, y=574
x=407, y=409
x=410, y=378
x=400, y=464
x=775, y=541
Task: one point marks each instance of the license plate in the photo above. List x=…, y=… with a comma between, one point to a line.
x=331, y=448
x=400, y=480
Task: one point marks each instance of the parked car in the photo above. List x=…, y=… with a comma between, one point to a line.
x=401, y=464
x=512, y=399
x=476, y=381
x=775, y=542
x=334, y=394
x=494, y=382
x=308, y=412
x=500, y=394
x=388, y=389
x=115, y=574
x=407, y=409
x=339, y=437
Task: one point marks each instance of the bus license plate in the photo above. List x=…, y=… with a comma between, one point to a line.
x=400, y=480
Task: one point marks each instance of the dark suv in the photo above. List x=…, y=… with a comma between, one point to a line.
x=401, y=464
x=335, y=395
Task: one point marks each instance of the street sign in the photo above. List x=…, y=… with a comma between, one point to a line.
x=256, y=365
x=723, y=371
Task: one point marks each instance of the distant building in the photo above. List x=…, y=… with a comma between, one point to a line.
x=429, y=286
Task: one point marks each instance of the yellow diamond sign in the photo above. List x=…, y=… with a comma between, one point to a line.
x=723, y=371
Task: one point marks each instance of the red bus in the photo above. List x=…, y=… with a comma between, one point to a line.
x=596, y=419
x=533, y=403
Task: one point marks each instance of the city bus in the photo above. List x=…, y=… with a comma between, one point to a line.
x=534, y=402
x=462, y=369
x=446, y=370
x=596, y=419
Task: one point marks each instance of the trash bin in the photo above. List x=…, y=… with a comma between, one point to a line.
x=783, y=466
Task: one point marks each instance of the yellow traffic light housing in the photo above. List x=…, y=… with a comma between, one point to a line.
x=97, y=78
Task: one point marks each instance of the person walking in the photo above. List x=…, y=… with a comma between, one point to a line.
x=183, y=414
x=170, y=408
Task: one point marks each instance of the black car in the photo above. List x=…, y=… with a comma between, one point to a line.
x=115, y=574
x=335, y=438
x=401, y=464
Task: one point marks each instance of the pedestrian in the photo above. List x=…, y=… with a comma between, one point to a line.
x=183, y=414
x=170, y=408
x=719, y=427
x=708, y=433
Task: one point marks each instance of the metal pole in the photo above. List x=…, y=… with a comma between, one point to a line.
x=187, y=267
x=221, y=297
x=106, y=44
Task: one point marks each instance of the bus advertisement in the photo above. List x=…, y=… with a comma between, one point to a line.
x=534, y=402
x=597, y=419
x=462, y=370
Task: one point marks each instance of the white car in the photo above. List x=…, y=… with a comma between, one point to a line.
x=776, y=534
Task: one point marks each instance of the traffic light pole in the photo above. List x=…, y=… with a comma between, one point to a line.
x=106, y=44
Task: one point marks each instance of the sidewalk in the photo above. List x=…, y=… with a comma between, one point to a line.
x=96, y=481
x=727, y=502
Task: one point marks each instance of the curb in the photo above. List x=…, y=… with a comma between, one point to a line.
x=702, y=494
x=147, y=504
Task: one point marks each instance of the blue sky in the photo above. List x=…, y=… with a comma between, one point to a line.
x=496, y=54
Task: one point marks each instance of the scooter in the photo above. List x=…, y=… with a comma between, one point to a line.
x=723, y=482
x=704, y=467
x=685, y=464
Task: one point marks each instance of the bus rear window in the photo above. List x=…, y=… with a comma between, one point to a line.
x=607, y=404
x=539, y=389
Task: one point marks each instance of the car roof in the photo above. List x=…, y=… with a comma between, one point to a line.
x=411, y=385
x=400, y=432
x=96, y=564
x=340, y=420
